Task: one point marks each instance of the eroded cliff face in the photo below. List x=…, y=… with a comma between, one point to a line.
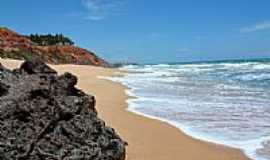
x=16, y=46
x=43, y=116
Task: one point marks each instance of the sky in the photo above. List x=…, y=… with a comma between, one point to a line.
x=150, y=31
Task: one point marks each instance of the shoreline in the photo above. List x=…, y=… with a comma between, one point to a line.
x=170, y=123
x=148, y=139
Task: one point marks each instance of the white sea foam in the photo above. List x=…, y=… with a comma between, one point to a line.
x=248, y=147
x=262, y=66
x=250, y=77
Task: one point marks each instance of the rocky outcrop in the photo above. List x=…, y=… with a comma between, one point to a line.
x=43, y=116
x=16, y=46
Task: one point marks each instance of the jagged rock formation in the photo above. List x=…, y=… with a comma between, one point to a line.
x=16, y=46
x=44, y=117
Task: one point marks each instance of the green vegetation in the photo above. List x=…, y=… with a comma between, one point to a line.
x=49, y=39
x=20, y=55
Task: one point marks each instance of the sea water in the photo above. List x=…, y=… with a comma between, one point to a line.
x=226, y=102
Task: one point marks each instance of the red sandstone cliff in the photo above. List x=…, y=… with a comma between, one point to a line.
x=16, y=46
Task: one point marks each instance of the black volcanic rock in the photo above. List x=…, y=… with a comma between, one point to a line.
x=44, y=117
x=36, y=66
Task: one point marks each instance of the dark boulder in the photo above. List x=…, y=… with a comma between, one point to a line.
x=36, y=66
x=49, y=119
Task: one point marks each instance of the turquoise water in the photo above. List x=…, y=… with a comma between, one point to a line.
x=226, y=102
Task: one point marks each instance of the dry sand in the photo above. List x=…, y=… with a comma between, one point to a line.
x=148, y=139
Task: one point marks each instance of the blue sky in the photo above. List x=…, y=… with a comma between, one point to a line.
x=150, y=30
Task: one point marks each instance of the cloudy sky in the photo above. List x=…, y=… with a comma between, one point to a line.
x=150, y=31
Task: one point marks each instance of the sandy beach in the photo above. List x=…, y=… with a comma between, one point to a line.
x=147, y=139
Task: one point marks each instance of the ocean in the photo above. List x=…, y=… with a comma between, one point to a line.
x=225, y=102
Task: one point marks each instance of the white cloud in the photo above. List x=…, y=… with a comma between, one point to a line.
x=101, y=9
x=257, y=27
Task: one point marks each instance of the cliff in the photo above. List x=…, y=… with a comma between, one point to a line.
x=16, y=46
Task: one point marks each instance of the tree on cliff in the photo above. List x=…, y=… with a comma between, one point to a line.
x=49, y=39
